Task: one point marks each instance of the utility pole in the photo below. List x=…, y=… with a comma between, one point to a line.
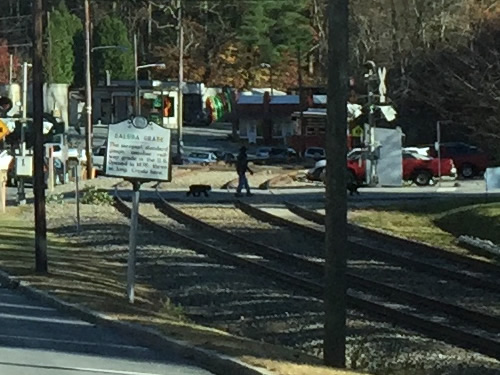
x=299, y=64
x=336, y=193
x=11, y=68
x=88, y=93
x=180, y=85
x=150, y=34
x=371, y=77
x=137, y=99
x=39, y=187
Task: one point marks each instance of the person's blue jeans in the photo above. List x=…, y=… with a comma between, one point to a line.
x=242, y=183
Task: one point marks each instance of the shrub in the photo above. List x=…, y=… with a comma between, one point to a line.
x=96, y=197
x=55, y=199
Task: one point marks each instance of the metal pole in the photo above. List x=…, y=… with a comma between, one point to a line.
x=21, y=195
x=438, y=130
x=11, y=68
x=133, y=242
x=180, y=84
x=77, y=196
x=371, y=121
x=299, y=63
x=271, y=79
x=88, y=91
x=136, y=72
x=25, y=105
x=39, y=186
x=334, y=346
x=50, y=182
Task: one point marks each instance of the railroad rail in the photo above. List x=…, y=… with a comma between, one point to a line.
x=431, y=325
x=406, y=261
x=364, y=284
x=421, y=248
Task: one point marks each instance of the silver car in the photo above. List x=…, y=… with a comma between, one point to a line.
x=203, y=158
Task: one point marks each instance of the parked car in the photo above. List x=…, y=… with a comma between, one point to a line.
x=98, y=156
x=7, y=163
x=227, y=157
x=282, y=155
x=316, y=153
x=418, y=168
x=277, y=155
x=418, y=150
x=73, y=153
x=262, y=152
x=469, y=160
x=203, y=158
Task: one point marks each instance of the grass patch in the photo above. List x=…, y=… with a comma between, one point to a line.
x=435, y=222
x=81, y=275
x=482, y=221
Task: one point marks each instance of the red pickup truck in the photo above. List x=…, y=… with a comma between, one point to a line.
x=469, y=160
x=418, y=168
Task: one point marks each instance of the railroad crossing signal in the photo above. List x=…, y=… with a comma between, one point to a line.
x=4, y=130
x=357, y=132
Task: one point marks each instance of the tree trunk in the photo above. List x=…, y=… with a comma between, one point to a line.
x=336, y=193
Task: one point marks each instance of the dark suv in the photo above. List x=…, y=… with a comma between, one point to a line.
x=469, y=160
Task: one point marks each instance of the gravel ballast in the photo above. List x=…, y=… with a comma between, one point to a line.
x=243, y=303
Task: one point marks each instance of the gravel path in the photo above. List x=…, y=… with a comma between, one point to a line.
x=243, y=303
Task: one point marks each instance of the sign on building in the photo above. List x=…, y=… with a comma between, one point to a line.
x=138, y=150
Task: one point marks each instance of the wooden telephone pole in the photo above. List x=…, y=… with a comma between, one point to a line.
x=88, y=93
x=39, y=187
x=180, y=83
x=336, y=193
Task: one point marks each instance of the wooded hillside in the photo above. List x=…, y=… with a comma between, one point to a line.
x=442, y=55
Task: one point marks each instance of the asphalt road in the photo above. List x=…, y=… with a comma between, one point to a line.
x=38, y=340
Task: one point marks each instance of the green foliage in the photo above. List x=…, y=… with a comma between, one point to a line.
x=61, y=31
x=96, y=197
x=111, y=31
x=276, y=27
x=55, y=199
x=172, y=309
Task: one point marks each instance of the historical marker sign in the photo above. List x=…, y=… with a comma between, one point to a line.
x=138, y=150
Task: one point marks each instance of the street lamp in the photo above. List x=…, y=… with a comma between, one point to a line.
x=121, y=48
x=268, y=66
x=138, y=67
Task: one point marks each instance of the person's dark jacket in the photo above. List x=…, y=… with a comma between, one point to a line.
x=242, y=163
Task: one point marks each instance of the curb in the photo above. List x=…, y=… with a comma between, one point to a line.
x=209, y=360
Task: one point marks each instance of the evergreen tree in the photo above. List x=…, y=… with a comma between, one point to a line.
x=61, y=31
x=111, y=31
x=273, y=28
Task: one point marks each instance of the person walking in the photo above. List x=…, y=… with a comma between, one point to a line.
x=241, y=169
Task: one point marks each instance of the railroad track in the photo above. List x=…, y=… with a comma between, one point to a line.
x=306, y=276
x=473, y=276
x=363, y=284
x=475, y=265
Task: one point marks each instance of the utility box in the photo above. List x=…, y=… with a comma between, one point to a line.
x=24, y=166
x=492, y=177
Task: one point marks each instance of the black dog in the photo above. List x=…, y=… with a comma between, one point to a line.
x=197, y=190
x=352, y=188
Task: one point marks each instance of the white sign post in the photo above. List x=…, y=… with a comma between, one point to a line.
x=138, y=151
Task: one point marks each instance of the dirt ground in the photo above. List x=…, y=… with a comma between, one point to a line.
x=216, y=177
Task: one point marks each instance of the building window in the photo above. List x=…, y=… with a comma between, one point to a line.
x=310, y=130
